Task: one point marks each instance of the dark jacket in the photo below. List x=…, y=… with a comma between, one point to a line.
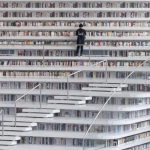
x=80, y=33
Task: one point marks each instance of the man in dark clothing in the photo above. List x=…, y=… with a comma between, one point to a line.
x=80, y=33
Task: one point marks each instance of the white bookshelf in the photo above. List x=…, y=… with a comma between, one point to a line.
x=37, y=45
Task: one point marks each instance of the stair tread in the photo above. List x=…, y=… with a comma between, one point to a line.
x=66, y=102
x=6, y=128
x=26, y=119
x=21, y=124
x=100, y=89
x=35, y=115
x=8, y=143
x=9, y=138
x=108, y=85
x=41, y=110
x=73, y=97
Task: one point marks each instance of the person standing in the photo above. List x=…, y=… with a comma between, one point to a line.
x=81, y=34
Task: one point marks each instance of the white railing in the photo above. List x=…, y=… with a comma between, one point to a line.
x=101, y=108
x=40, y=100
x=106, y=76
x=40, y=87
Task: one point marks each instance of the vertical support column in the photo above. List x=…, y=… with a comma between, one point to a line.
x=90, y=54
x=106, y=71
x=15, y=114
x=40, y=100
x=68, y=87
x=83, y=144
x=43, y=56
x=106, y=144
x=2, y=122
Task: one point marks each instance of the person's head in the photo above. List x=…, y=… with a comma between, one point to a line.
x=80, y=25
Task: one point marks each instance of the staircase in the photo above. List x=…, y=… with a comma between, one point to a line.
x=8, y=141
x=22, y=118
x=22, y=125
x=82, y=100
x=9, y=138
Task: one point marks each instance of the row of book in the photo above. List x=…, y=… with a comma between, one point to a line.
x=69, y=63
x=121, y=101
x=133, y=76
x=58, y=141
x=135, y=137
x=66, y=43
x=56, y=74
x=135, y=53
x=76, y=24
x=124, y=115
x=50, y=63
x=97, y=129
x=35, y=53
x=74, y=5
x=72, y=33
x=28, y=98
x=47, y=53
x=111, y=53
x=63, y=127
x=108, y=14
x=34, y=74
x=102, y=53
x=29, y=85
x=72, y=64
x=138, y=88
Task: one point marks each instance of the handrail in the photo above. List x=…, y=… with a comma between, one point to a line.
x=40, y=100
x=101, y=108
x=2, y=113
x=68, y=76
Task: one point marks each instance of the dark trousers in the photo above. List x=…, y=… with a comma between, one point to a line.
x=79, y=50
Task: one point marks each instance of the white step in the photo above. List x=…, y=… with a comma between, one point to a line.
x=21, y=124
x=66, y=102
x=101, y=89
x=35, y=115
x=48, y=111
x=73, y=97
x=16, y=128
x=8, y=143
x=9, y=138
x=26, y=120
x=108, y=85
